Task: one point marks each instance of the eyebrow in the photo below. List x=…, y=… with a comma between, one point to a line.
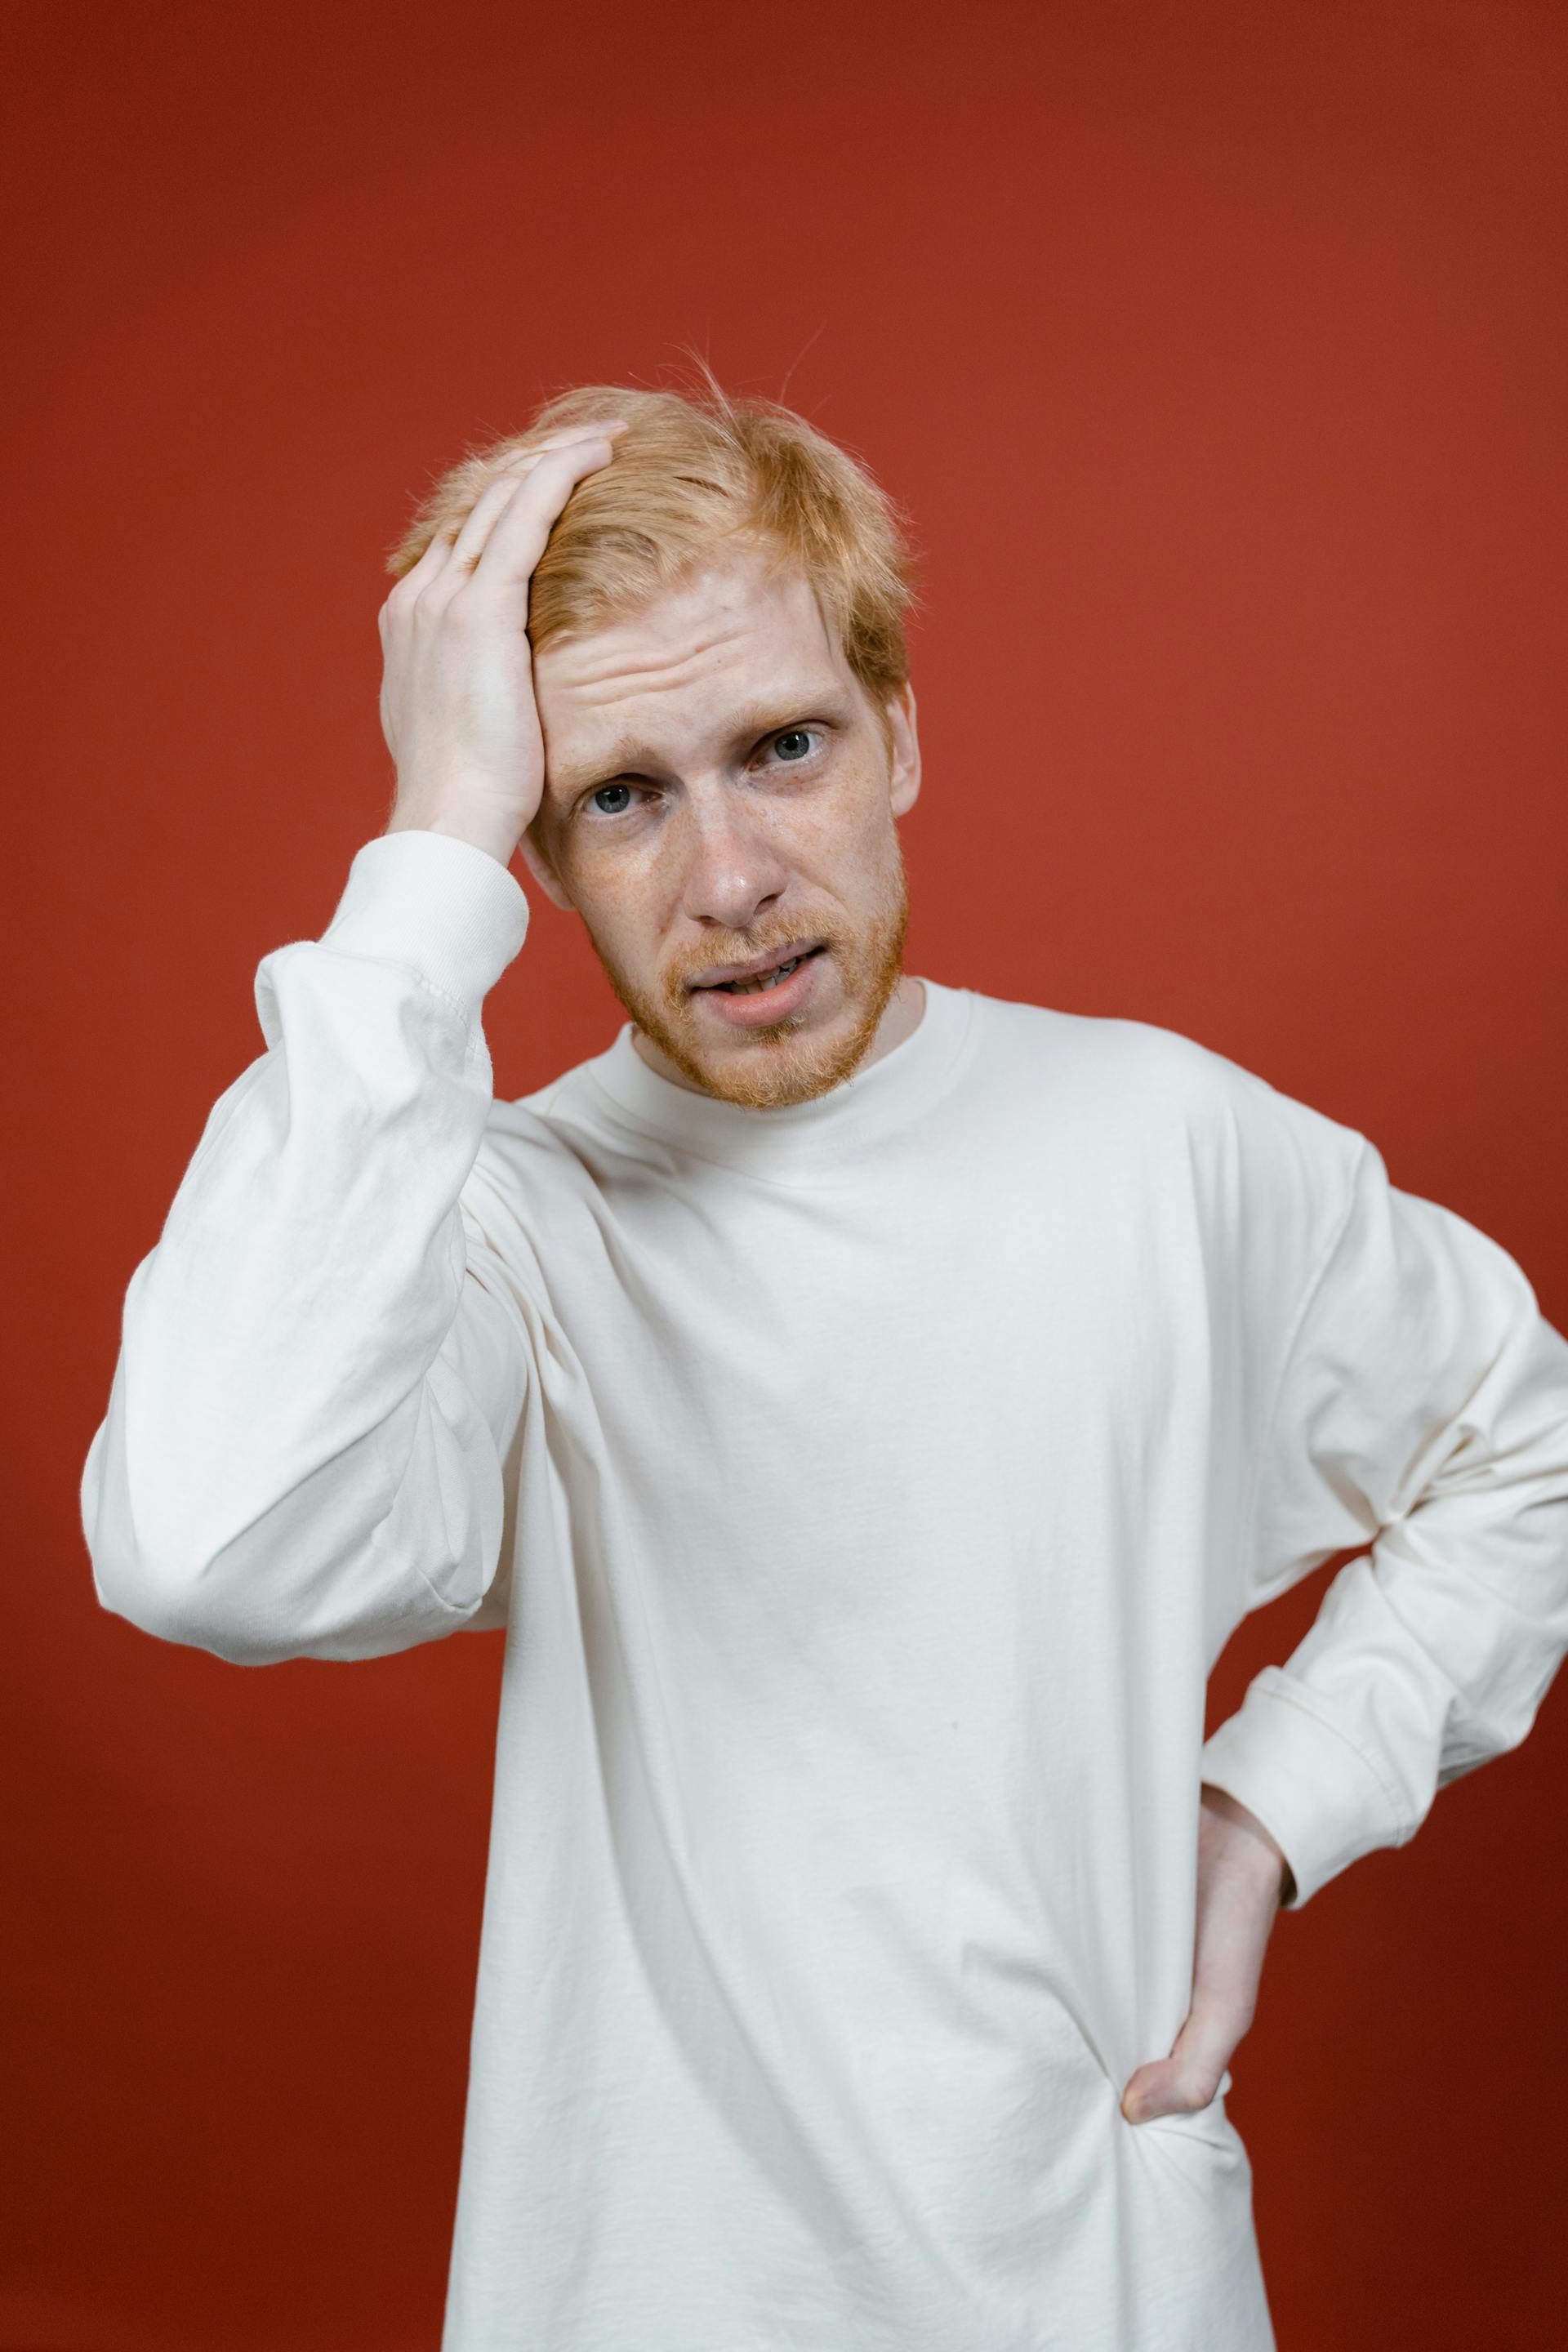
x=631, y=752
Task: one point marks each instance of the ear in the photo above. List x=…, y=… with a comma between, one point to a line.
x=904, y=769
x=536, y=858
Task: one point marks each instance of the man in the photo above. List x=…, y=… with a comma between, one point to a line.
x=869, y=1407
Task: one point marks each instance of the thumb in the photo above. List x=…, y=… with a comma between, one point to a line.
x=1195, y=2072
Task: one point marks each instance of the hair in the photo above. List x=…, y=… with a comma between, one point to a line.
x=692, y=472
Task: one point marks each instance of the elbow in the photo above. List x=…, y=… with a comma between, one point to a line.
x=216, y=1606
x=184, y=1601
x=324, y=1570
x=164, y=1581
x=233, y=1604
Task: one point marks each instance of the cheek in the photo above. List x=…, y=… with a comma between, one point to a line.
x=622, y=891
x=853, y=838
x=848, y=820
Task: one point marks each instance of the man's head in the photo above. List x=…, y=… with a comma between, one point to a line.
x=719, y=663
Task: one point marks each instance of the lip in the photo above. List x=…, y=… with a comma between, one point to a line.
x=727, y=972
x=767, y=1005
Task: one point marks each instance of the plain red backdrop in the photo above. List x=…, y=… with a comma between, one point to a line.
x=1217, y=351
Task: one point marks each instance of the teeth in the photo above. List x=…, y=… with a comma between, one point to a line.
x=762, y=980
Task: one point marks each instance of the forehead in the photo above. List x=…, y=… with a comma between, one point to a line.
x=729, y=634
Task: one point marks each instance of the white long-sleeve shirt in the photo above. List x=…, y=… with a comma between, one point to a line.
x=867, y=1489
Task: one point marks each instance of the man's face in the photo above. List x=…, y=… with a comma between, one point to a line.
x=719, y=800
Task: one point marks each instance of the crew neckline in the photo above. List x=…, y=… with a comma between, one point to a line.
x=872, y=1101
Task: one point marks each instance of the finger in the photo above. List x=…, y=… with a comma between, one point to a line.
x=603, y=429
x=471, y=541
x=593, y=431
x=458, y=546
x=467, y=544
x=529, y=455
x=418, y=575
x=517, y=540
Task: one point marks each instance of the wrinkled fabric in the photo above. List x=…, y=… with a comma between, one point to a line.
x=865, y=1489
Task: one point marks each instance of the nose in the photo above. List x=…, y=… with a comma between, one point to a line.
x=734, y=871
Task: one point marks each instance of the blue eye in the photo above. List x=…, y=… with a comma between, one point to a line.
x=799, y=737
x=605, y=801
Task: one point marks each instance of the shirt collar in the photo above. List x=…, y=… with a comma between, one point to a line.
x=874, y=1100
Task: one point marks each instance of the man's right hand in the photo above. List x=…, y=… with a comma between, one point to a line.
x=457, y=708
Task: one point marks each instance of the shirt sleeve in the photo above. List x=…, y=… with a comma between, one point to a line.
x=315, y=1389
x=1421, y=1408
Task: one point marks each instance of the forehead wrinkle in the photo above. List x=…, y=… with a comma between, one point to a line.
x=716, y=610
x=693, y=657
x=630, y=751
x=612, y=669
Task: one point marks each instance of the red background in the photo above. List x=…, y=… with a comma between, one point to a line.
x=1218, y=350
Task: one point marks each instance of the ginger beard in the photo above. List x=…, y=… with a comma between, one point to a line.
x=777, y=1063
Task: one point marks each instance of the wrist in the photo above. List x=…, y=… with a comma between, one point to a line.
x=1267, y=1853
x=498, y=837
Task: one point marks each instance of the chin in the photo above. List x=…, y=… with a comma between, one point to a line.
x=792, y=1060
x=770, y=1070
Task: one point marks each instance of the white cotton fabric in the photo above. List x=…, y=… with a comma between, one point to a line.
x=867, y=1489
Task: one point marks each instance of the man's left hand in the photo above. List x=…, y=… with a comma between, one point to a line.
x=1242, y=1879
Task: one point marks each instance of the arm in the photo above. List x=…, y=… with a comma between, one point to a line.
x=301, y=1455
x=316, y=1387
x=1421, y=1407
x=1415, y=1399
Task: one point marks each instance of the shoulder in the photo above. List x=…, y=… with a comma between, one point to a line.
x=1090, y=1048
x=1104, y=1053
x=1148, y=1083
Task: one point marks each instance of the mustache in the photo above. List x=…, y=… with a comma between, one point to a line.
x=743, y=946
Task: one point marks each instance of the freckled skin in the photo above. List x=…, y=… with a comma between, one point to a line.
x=760, y=810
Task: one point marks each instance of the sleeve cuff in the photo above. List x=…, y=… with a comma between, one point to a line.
x=448, y=908
x=1313, y=1790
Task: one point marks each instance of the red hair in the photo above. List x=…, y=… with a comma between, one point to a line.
x=690, y=473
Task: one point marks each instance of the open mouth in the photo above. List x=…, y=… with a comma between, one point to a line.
x=757, y=984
